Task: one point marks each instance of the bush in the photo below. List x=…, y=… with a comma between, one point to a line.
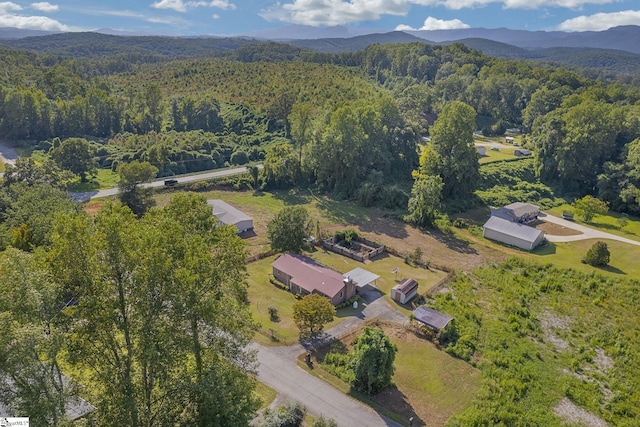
x=291, y=414
x=598, y=255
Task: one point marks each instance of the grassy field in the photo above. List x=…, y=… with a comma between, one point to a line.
x=494, y=156
x=607, y=223
x=431, y=386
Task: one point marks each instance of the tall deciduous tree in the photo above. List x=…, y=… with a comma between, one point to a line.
x=588, y=207
x=372, y=359
x=311, y=313
x=426, y=195
x=75, y=155
x=454, y=157
x=131, y=175
x=161, y=321
x=31, y=340
x=301, y=119
x=288, y=230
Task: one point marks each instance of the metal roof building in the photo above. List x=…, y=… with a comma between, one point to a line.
x=228, y=215
x=512, y=233
x=432, y=318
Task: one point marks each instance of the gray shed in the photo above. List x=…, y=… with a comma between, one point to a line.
x=512, y=233
x=432, y=318
x=228, y=215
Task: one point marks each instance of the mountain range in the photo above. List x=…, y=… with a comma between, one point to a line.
x=615, y=50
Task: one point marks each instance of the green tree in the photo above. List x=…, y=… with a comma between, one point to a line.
x=75, y=155
x=312, y=313
x=31, y=340
x=27, y=171
x=301, y=119
x=131, y=175
x=288, y=230
x=161, y=322
x=588, y=207
x=372, y=360
x=426, y=194
x=598, y=255
x=454, y=157
x=323, y=422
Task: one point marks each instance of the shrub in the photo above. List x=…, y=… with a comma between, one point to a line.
x=273, y=314
x=598, y=255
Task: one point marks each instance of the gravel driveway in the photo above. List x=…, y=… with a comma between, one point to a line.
x=587, y=233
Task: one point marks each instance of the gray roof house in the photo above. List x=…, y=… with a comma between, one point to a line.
x=228, y=215
x=517, y=212
x=512, y=233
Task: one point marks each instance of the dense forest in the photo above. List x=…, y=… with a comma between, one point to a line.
x=231, y=103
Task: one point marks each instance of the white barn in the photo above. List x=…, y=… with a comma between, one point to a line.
x=228, y=215
x=512, y=233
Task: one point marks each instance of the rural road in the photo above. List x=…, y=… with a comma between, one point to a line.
x=86, y=196
x=7, y=154
x=587, y=233
x=278, y=369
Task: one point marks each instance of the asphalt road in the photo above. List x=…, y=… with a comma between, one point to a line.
x=587, y=233
x=278, y=369
x=86, y=196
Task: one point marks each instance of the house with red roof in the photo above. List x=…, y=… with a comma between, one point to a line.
x=305, y=276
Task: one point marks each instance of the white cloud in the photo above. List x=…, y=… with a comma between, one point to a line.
x=33, y=23
x=334, y=12
x=601, y=21
x=215, y=16
x=45, y=7
x=182, y=6
x=7, y=7
x=432, y=23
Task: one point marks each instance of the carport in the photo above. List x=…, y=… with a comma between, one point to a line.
x=363, y=277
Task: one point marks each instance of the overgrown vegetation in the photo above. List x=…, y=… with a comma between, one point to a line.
x=549, y=333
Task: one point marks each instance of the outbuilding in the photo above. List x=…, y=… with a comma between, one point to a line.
x=404, y=291
x=512, y=233
x=521, y=152
x=228, y=215
x=432, y=318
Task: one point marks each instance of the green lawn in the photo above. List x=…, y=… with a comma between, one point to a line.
x=265, y=393
x=104, y=179
x=494, y=156
x=431, y=385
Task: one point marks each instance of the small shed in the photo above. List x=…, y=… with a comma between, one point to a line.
x=228, y=215
x=521, y=152
x=481, y=149
x=432, y=318
x=404, y=291
x=508, y=140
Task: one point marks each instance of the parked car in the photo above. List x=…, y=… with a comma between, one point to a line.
x=170, y=181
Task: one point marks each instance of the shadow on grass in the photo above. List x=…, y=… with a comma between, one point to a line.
x=292, y=197
x=391, y=402
x=545, y=249
x=453, y=243
x=611, y=269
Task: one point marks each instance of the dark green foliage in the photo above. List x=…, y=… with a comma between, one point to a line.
x=131, y=175
x=598, y=255
x=323, y=422
x=75, y=155
x=372, y=361
x=288, y=230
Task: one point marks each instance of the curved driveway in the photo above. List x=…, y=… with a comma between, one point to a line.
x=587, y=233
x=279, y=370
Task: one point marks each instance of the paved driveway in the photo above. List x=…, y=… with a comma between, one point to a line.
x=587, y=233
x=278, y=369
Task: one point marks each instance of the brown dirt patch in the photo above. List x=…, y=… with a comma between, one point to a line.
x=93, y=207
x=556, y=230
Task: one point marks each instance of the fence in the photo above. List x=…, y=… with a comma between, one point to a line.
x=376, y=249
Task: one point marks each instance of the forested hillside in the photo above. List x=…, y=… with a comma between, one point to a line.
x=131, y=100
x=150, y=306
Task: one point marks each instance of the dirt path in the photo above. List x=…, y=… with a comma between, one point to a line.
x=585, y=232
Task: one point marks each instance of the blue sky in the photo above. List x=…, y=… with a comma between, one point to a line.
x=235, y=17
